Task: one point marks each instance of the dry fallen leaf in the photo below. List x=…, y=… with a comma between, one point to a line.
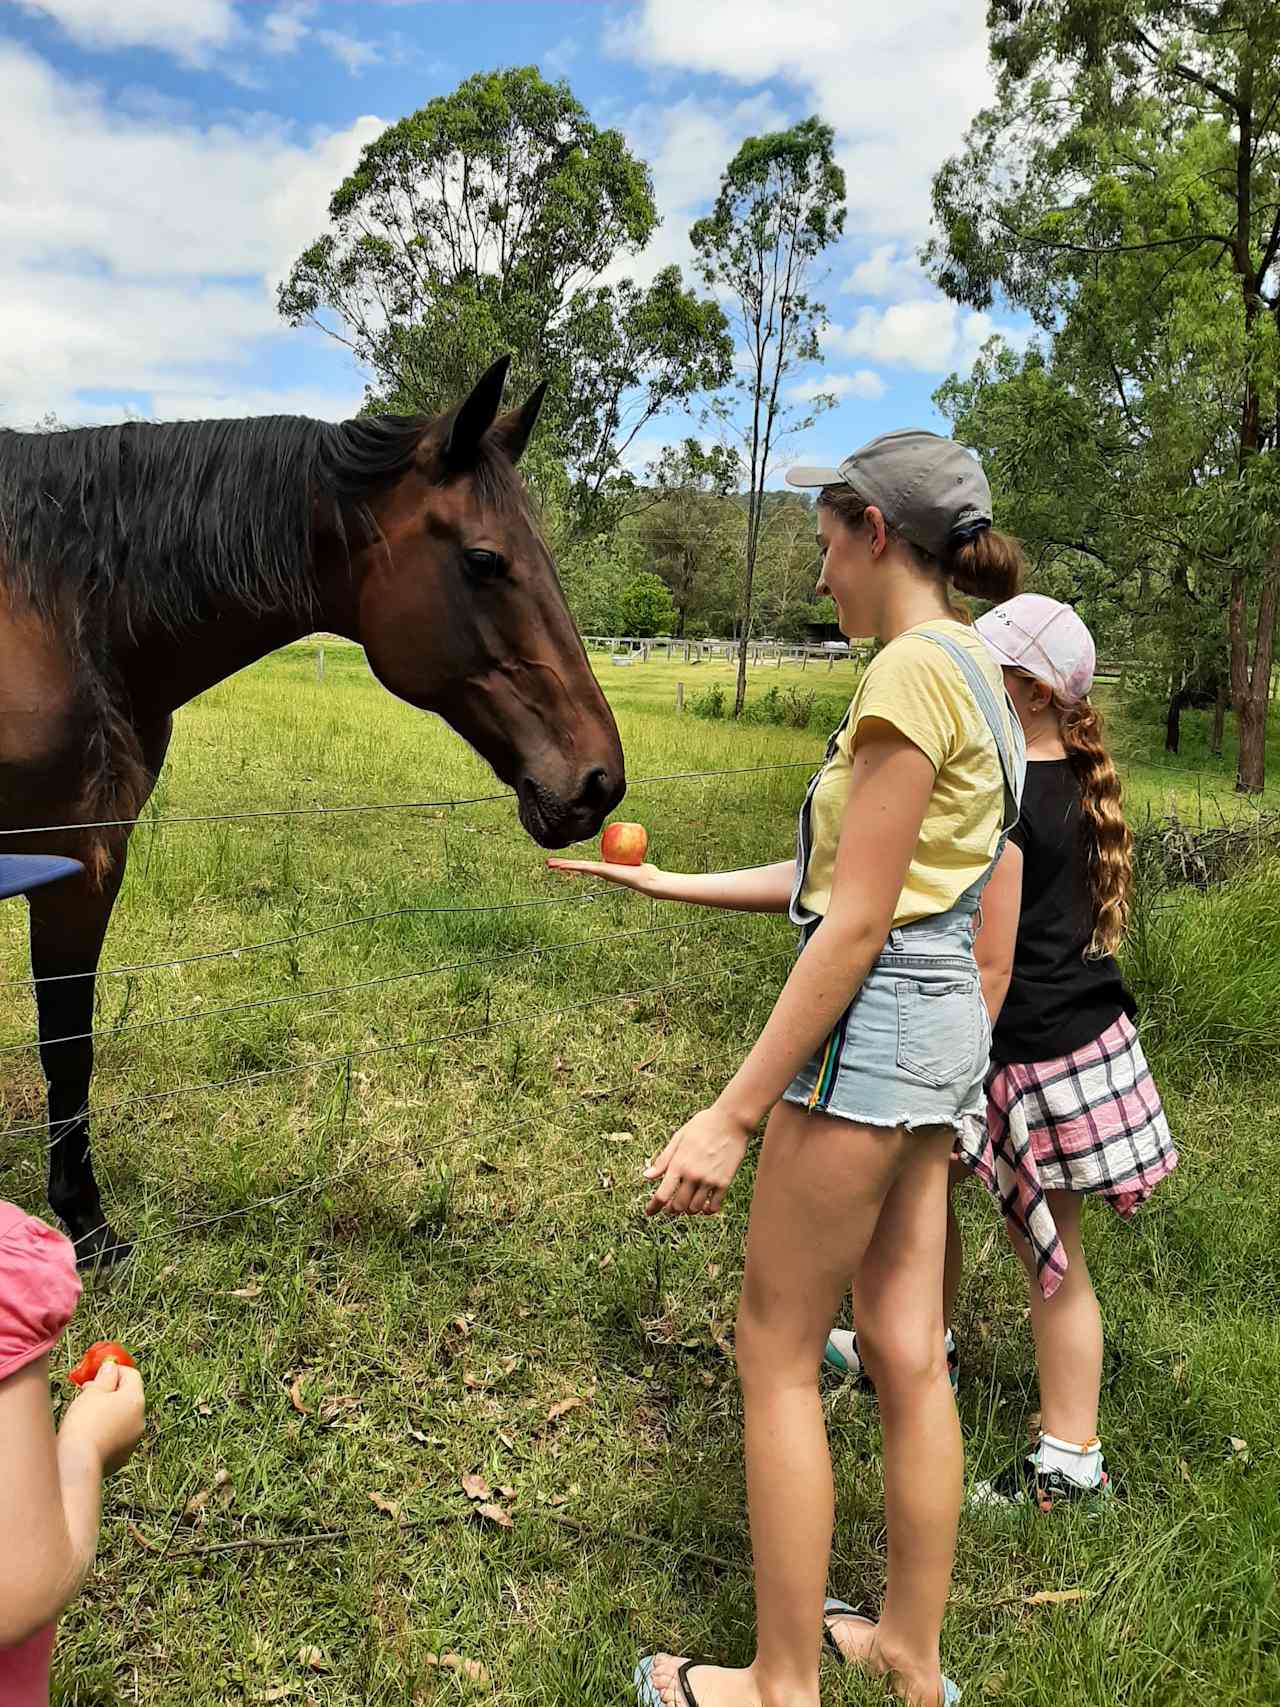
x=507, y=1442
x=470, y=1669
x=619, y=1137
x=1239, y=1447
x=564, y=1406
x=254, y=1291
x=713, y=1271
x=313, y=1659
x=193, y=1511
x=281, y=1692
x=495, y=1514
x=224, y=1487
x=1056, y=1596
x=142, y=1540
x=476, y=1488
x=295, y=1398
x=1184, y=1470
x=389, y=1508
x=995, y=1684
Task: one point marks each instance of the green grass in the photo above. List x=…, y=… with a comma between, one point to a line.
x=460, y=1250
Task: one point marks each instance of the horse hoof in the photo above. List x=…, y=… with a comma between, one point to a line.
x=100, y=1248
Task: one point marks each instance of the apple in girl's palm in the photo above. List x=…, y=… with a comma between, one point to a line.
x=624, y=844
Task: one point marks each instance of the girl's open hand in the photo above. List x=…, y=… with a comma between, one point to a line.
x=642, y=878
x=697, y=1167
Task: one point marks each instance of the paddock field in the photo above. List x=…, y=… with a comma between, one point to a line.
x=365, y=1271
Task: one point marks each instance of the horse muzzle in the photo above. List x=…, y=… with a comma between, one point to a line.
x=555, y=821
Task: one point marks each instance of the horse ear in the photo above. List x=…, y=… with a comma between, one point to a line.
x=473, y=419
x=512, y=430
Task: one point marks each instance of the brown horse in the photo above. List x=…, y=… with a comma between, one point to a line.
x=141, y=564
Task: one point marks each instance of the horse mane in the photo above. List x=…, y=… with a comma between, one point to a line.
x=105, y=529
x=163, y=521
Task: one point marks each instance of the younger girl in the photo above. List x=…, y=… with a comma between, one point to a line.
x=1071, y=1105
x=50, y=1484
x=872, y=1059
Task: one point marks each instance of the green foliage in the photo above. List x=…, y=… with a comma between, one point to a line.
x=482, y=223
x=1124, y=190
x=710, y=703
x=691, y=532
x=646, y=607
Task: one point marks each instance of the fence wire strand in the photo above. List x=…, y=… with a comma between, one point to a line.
x=202, y=1015
x=305, y=936
x=158, y=823
x=405, y=1046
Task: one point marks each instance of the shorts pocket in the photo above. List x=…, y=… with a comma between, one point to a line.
x=938, y=1030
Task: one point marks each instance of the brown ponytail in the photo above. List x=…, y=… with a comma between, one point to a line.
x=1111, y=845
x=987, y=566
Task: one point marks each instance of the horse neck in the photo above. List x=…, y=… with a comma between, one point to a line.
x=164, y=667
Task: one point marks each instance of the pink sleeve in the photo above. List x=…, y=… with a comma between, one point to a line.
x=39, y=1288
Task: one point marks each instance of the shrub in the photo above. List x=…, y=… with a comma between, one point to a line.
x=710, y=703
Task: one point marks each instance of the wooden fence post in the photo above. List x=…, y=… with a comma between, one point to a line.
x=679, y=696
x=320, y=663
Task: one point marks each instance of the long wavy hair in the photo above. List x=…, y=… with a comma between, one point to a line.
x=1110, y=844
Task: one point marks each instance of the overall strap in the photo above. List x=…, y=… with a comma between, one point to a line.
x=1011, y=743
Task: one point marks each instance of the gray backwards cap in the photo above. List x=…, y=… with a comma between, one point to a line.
x=931, y=489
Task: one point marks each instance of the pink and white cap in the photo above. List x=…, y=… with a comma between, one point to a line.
x=1046, y=639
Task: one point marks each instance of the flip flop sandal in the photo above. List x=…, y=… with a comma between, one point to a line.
x=647, y=1693
x=839, y=1609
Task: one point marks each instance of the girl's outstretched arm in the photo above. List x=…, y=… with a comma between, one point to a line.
x=757, y=889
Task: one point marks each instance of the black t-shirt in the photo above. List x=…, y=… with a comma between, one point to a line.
x=1058, y=1001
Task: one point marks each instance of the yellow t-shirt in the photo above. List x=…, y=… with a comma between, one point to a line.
x=922, y=692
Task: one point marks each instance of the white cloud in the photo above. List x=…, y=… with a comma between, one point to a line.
x=190, y=30
x=286, y=28
x=313, y=400
x=141, y=254
x=349, y=50
x=899, y=83
x=931, y=335
x=864, y=382
x=888, y=273
x=687, y=146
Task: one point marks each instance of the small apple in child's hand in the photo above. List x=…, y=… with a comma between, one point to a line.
x=105, y=1351
x=624, y=844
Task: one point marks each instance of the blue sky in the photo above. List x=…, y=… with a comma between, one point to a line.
x=176, y=155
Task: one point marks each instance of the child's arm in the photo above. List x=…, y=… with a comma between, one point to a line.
x=758, y=889
x=994, y=944
x=51, y=1487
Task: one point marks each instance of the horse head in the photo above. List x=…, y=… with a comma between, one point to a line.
x=460, y=612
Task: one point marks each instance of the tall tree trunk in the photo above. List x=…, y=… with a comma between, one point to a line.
x=1251, y=687
x=753, y=541
x=1173, y=722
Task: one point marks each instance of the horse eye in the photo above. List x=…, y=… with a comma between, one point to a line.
x=486, y=563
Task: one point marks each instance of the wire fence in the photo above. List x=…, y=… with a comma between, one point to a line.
x=344, y=1059
x=154, y=822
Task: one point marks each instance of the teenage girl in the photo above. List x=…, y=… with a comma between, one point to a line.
x=1071, y=1105
x=1072, y=1109
x=871, y=1061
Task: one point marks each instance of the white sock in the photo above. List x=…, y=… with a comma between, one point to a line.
x=1079, y=1464
x=949, y=1340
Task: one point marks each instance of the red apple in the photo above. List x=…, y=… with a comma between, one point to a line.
x=624, y=844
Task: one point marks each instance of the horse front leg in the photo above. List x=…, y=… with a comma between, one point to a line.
x=68, y=924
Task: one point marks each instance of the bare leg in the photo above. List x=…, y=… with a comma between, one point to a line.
x=1068, y=1333
x=821, y=1189
x=900, y=1334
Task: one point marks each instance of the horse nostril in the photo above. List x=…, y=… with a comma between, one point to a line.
x=598, y=789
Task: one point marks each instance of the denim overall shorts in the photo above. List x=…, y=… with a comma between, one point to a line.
x=912, y=1048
